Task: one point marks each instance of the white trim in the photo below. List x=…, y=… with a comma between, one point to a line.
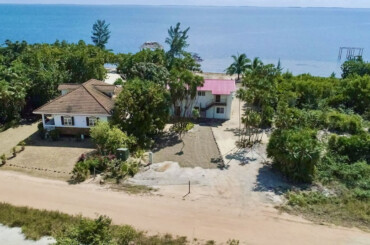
x=74, y=114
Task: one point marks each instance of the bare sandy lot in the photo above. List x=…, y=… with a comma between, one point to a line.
x=50, y=159
x=199, y=150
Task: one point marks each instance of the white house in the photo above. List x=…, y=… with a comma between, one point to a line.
x=213, y=99
x=79, y=107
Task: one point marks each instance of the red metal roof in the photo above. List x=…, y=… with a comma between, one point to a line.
x=218, y=86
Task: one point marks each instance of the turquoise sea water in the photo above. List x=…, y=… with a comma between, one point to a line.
x=305, y=39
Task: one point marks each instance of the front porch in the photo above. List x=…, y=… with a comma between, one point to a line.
x=48, y=122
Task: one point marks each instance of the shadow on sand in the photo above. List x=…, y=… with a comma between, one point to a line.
x=269, y=179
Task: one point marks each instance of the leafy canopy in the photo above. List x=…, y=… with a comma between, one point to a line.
x=142, y=110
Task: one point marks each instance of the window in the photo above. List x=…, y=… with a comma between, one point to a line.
x=218, y=98
x=201, y=93
x=91, y=121
x=220, y=110
x=67, y=121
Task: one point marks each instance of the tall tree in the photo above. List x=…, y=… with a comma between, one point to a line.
x=177, y=41
x=100, y=33
x=239, y=66
x=134, y=115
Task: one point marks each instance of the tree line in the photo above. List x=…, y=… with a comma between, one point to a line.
x=320, y=131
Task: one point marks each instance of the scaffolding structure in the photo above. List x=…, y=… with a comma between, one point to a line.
x=351, y=53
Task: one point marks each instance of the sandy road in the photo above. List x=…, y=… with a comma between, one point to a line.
x=204, y=219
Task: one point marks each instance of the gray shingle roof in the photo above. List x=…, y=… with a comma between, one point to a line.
x=85, y=99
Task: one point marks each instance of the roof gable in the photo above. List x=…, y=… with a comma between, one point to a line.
x=85, y=99
x=218, y=86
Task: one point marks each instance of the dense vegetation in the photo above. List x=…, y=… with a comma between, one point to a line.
x=69, y=229
x=30, y=73
x=320, y=136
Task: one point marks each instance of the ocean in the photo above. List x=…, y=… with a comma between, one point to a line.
x=306, y=40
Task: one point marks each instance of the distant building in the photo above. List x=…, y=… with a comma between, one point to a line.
x=151, y=45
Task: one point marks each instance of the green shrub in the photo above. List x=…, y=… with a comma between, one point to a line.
x=125, y=234
x=344, y=123
x=295, y=153
x=94, y=232
x=355, y=147
x=195, y=113
x=54, y=134
x=352, y=175
x=291, y=117
x=41, y=131
x=119, y=82
x=110, y=139
x=81, y=171
x=3, y=159
x=129, y=168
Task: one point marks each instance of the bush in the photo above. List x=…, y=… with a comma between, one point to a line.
x=195, y=113
x=119, y=82
x=54, y=134
x=344, y=123
x=94, y=232
x=110, y=139
x=3, y=159
x=333, y=168
x=129, y=168
x=14, y=151
x=81, y=171
x=295, y=153
x=354, y=148
x=291, y=117
x=41, y=131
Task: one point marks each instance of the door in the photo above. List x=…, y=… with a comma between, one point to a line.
x=218, y=98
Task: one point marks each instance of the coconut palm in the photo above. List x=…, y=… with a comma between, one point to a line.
x=256, y=63
x=239, y=66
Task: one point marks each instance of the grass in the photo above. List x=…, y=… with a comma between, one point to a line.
x=38, y=223
x=133, y=189
x=344, y=209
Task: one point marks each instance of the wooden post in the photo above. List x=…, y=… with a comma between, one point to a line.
x=188, y=191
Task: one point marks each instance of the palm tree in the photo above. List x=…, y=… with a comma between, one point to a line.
x=100, y=34
x=239, y=66
x=177, y=40
x=256, y=63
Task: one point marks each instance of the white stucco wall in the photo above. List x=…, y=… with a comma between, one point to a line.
x=80, y=120
x=208, y=98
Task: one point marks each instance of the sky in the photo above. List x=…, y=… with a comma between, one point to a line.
x=260, y=3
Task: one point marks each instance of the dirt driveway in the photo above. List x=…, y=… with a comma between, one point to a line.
x=50, y=159
x=199, y=150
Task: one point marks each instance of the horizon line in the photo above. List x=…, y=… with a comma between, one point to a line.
x=184, y=5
